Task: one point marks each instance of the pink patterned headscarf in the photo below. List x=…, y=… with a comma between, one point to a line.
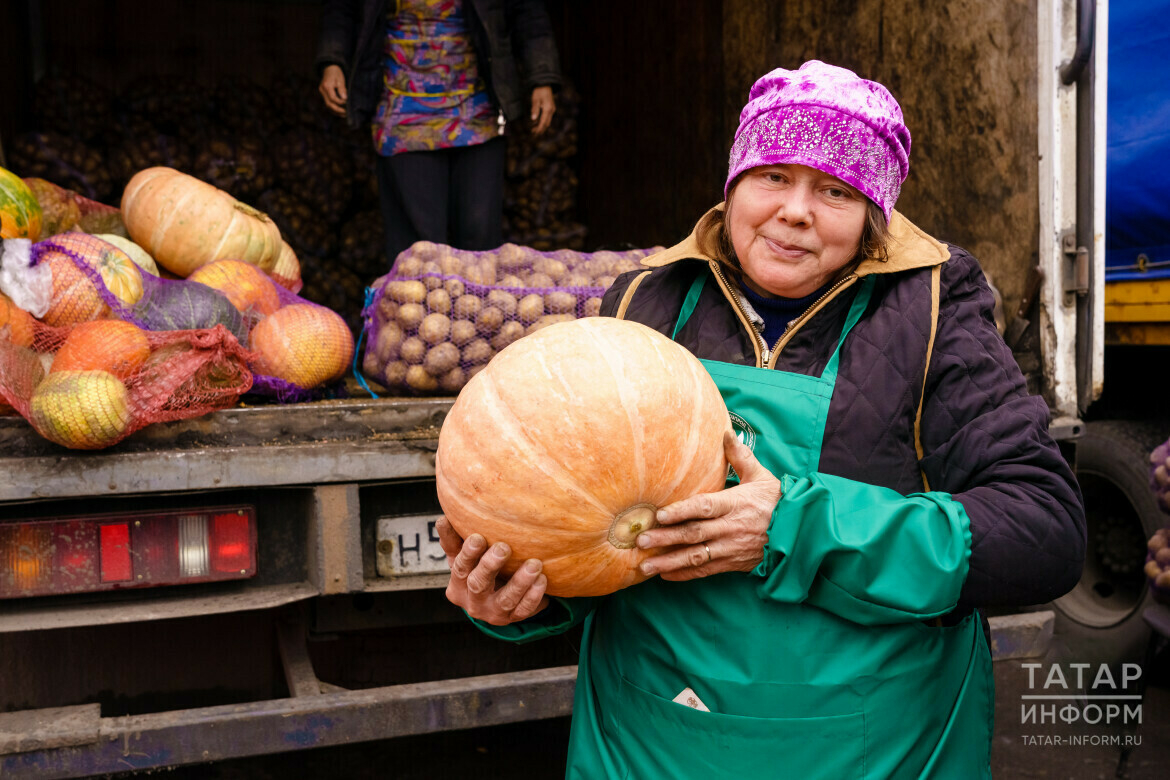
x=830, y=119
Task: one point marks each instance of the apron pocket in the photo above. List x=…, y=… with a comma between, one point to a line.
x=656, y=737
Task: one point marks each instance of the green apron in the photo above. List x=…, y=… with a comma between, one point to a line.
x=794, y=691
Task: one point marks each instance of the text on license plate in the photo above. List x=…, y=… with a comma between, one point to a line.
x=409, y=544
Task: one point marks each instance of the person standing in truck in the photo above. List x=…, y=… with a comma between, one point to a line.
x=437, y=81
x=819, y=617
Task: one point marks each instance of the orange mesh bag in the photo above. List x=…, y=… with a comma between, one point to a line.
x=441, y=314
x=103, y=373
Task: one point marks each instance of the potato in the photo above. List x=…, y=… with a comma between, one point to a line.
x=471, y=372
x=605, y=282
x=426, y=250
x=1163, y=556
x=466, y=307
x=434, y=328
x=406, y=291
x=548, y=319
x=454, y=287
x=511, y=280
x=388, y=342
x=441, y=358
x=432, y=281
x=371, y=366
x=511, y=256
x=482, y=272
x=410, y=315
x=530, y=308
x=394, y=374
x=489, y=320
x=504, y=301
x=550, y=267
x=450, y=264
x=419, y=380
x=560, y=302
x=1162, y=580
x=462, y=332
x=408, y=265
x=413, y=350
x=592, y=307
x=386, y=309
x=1152, y=569
x=537, y=279
x=477, y=352
x=509, y=332
x=439, y=301
x=577, y=280
x=1157, y=542
x=453, y=380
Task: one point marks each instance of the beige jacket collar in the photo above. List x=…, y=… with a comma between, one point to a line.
x=910, y=247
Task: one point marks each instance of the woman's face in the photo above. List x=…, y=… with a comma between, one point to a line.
x=793, y=228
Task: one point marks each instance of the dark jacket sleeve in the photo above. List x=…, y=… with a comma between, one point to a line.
x=986, y=442
x=339, y=20
x=536, y=47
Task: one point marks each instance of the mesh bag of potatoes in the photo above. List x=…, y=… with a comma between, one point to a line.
x=441, y=314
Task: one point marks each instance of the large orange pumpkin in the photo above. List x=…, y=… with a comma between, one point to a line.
x=304, y=344
x=570, y=439
x=75, y=298
x=106, y=345
x=184, y=223
x=246, y=286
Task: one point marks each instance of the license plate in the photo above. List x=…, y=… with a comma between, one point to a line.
x=409, y=544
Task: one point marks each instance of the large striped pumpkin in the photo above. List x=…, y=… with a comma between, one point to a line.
x=570, y=439
x=20, y=214
x=184, y=223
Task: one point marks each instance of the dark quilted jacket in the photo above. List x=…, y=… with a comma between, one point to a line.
x=984, y=439
x=508, y=35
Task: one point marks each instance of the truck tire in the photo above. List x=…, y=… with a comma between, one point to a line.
x=1100, y=620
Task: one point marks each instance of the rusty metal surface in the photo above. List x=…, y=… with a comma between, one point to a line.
x=30, y=615
x=335, y=559
x=48, y=728
x=282, y=725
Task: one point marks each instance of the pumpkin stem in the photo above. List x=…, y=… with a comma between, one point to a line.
x=251, y=212
x=631, y=522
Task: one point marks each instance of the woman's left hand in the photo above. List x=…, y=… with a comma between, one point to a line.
x=716, y=532
x=543, y=108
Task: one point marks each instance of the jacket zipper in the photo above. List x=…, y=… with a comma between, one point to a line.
x=765, y=352
x=792, y=325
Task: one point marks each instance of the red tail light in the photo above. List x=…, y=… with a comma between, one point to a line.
x=80, y=554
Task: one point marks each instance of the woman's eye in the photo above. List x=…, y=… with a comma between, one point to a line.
x=837, y=193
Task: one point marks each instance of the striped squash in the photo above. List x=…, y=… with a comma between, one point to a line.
x=20, y=214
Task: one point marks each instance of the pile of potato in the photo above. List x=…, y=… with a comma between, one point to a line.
x=441, y=314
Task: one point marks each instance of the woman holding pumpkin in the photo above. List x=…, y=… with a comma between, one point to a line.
x=819, y=618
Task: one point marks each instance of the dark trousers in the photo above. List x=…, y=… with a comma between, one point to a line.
x=449, y=196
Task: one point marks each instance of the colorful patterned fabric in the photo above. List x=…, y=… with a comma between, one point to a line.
x=830, y=119
x=433, y=96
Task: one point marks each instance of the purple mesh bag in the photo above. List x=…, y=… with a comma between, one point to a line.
x=441, y=314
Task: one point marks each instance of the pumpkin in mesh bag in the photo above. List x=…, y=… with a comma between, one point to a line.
x=16, y=325
x=107, y=345
x=83, y=410
x=287, y=272
x=568, y=441
x=20, y=213
x=75, y=297
x=303, y=344
x=184, y=223
x=246, y=286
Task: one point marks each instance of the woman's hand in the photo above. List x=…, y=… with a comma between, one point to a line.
x=543, y=108
x=332, y=88
x=716, y=532
x=476, y=584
